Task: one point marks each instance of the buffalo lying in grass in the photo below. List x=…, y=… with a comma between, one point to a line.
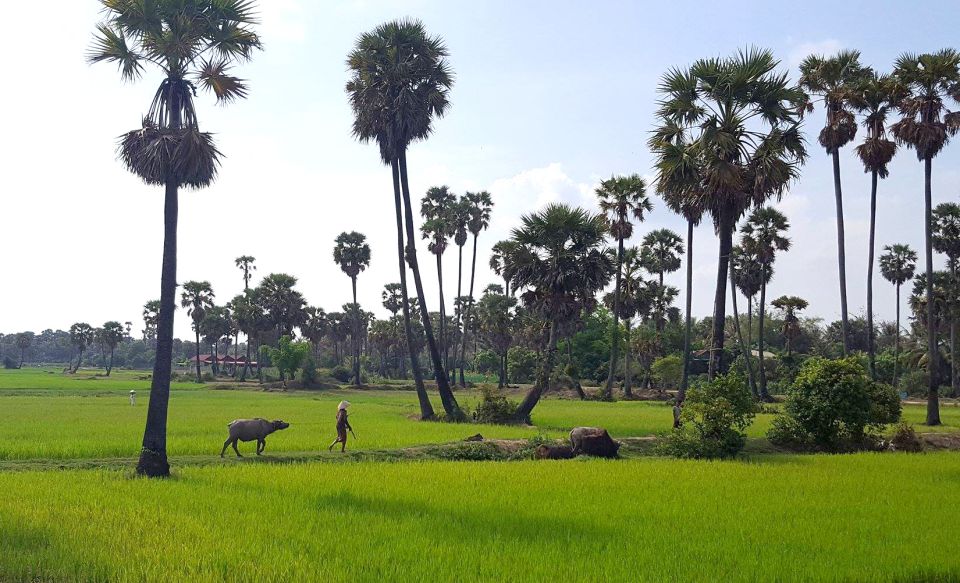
x=593, y=441
x=251, y=430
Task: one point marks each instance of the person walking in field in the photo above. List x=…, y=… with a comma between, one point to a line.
x=677, y=411
x=342, y=426
x=133, y=398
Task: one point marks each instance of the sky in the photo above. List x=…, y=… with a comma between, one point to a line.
x=550, y=98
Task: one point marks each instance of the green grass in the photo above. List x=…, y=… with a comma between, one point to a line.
x=865, y=517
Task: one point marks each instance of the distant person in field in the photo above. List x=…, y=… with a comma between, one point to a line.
x=133, y=398
x=677, y=410
x=342, y=426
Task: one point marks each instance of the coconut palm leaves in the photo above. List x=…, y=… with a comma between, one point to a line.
x=897, y=265
x=929, y=81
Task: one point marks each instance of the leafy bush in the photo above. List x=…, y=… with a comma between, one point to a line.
x=288, y=357
x=486, y=362
x=904, y=438
x=308, y=373
x=832, y=405
x=341, y=373
x=668, y=371
x=521, y=364
x=714, y=416
x=494, y=407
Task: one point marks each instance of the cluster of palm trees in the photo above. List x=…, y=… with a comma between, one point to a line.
x=82, y=336
x=727, y=141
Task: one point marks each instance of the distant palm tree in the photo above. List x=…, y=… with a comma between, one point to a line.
x=151, y=316
x=897, y=265
x=479, y=207
x=352, y=254
x=926, y=125
x=729, y=138
x=740, y=263
x=81, y=336
x=392, y=298
x=197, y=297
x=763, y=234
x=247, y=318
x=247, y=266
x=113, y=334
x=438, y=209
x=193, y=43
x=660, y=254
x=499, y=263
x=621, y=199
x=459, y=215
x=750, y=275
x=400, y=82
x=315, y=328
x=791, y=323
x=634, y=300
x=24, y=340
x=874, y=97
x=834, y=80
x=946, y=240
x=561, y=261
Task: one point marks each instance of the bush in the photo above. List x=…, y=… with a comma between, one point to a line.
x=904, y=438
x=341, y=373
x=494, y=407
x=668, y=371
x=714, y=417
x=308, y=374
x=832, y=405
x=486, y=362
x=521, y=364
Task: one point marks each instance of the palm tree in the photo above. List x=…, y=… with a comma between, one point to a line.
x=834, y=81
x=283, y=305
x=621, y=198
x=197, y=297
x=151, y=319
x=214, y=327
x=459, y=215
x=113, y=333
x=790, y=305
x=479, y=208
x=946, y=240
x=24, y=340
x=438, y=209
x=400, y=81
x=740, y=263
x=352, y=254
x=660, y=254
x=750, y=275
x=192, y=42
x=561, y=261
x=634, y=293
x=495, y=318
x=246, y=318
x=81, y=335
x=246, y=264
x=763, y=235
x=499, y=263
x=730, y=138
x=897, y=265
x=926, y=126
x=874, y=97
x=315, y=328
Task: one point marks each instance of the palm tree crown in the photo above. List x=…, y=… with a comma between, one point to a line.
x=197, y=297
x=928, y=80
x=762, y=234
x=898, y=263
x=660, y=251
x=623, y=198
x=352, y=253
x=834, y=80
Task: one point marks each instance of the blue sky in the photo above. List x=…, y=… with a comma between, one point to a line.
x=550, y=97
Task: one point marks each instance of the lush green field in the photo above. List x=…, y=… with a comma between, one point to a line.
x=866, y=517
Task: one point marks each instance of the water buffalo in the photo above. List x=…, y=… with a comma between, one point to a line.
x=593, y=441
x=251, y=430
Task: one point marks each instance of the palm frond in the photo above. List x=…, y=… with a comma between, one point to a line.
x=110, y=45
x=213, y=77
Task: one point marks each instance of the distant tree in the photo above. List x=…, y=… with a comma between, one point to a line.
x=660, y=254
x=288, y=358
x=151, y=315
x=392, y=298
x=929, y=81
x=282, y=304
x=315, y=328
x=197, y=297
x=495, y=313
x=479, y=207
x=247, y=317
x=438, y=209
x=81, y=335
x=790, y=305
x=193, y=43
x=946, y=240
x=24, y=340
x=216, y=325
x=499, y=263
x=897, y=265
x=112, y=334
x=246, y=265
x=352, y=254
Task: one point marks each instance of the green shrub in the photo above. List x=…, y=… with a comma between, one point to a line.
x=832, y=405
x=308, y=374
x=521, y=364
x=341, y=373
x=714, y=417
x=904, y=438
x=494, y=407
x=668, y=371
x=486, y=362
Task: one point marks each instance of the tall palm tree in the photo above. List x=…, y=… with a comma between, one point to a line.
x=151, y=319
x=113, y=334
x=459, y=215
x=897, y=265
x=246, y=264
x=621, y=199
x=24, y=340
x=926, y=125
x=352, y=254
x=729, y=138
x=283, y=305
x=438, y=209
x=660, y=254
x=790, y=305
x=561, y=261
x=500, y=265
x=247, y=318
x=81, y=336
x=834, y=81
x=400, y=81
x=750, y=275
x=740, y=262
x=874, y=97
x=763, y=234
x=191, y=42
x=479, y=208
x=197, y=297
x=946, y=240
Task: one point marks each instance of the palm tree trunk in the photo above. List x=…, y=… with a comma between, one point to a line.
x=356, y=334
x=153, y=454
x=461, y=321
x=110, y=365
x=688, y=318
x=426, y=409
x=933, y=380
x=236, y=351
x=450, y=406
x=750, y=321
x=720, y=298
x=841, y=252
x=743, y=348
x=543, y=377
x=896, y=346
x=764, y=395
x=615, y=333
x=627, y=373
x=467, y=310
x=871, y=341
x=197, y=332
x=954, y=390
x=20, y=365
x=443, y=315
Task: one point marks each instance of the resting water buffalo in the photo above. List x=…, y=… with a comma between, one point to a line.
x=593, y=441
x=251, y=430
